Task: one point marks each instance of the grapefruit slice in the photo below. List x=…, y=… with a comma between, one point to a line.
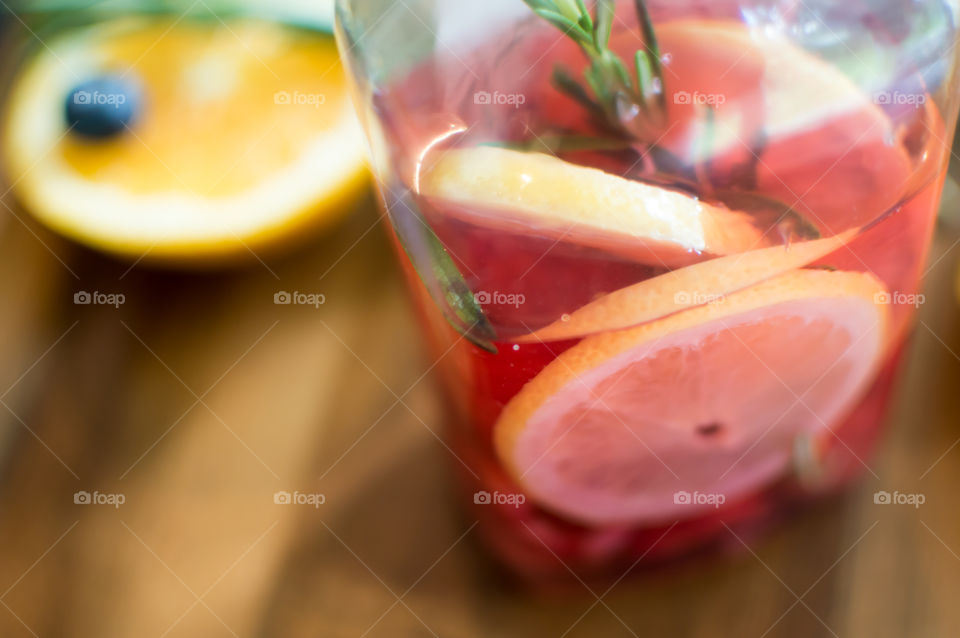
x=707, y=401
x=688, y=287
x=828, y=145
x=544, y=194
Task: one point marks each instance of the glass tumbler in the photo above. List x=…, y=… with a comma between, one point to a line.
x=665, y=253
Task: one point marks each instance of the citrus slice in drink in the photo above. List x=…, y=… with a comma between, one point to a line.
x=543, y=194
x=183, y=139
x=685, y=288
x=825, y=145
x=660, y=421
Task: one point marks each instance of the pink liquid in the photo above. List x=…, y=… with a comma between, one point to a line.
x=839, y=174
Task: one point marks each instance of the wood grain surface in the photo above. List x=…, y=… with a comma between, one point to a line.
x=198, y=399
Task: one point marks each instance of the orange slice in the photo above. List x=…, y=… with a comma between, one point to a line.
x=708, y=403
x=695, y=285
x=547, y=195
x=245, y=135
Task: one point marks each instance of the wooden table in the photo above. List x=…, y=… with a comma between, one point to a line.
x=198, y=399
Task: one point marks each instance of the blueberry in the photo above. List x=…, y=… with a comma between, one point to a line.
x=103, y=106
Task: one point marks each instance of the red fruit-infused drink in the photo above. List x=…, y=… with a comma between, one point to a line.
x=666, y=253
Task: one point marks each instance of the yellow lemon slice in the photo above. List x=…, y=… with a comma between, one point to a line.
x=496, y=186
x=243, y=134
x=659, y=422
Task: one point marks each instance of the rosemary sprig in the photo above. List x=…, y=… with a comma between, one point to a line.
x=559, y=142
x=630, y=106
x=628, y=100
x=439, y=273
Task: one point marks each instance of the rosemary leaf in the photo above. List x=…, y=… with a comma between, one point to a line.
x=653, y=49
x=644, y=69
x=440, y=274
x=621, y=71
x=585, y=18
x=566, y=84
x=707, y=140
x=566, y=143
x=598, y=84
x=564, y=23
x=604, y=25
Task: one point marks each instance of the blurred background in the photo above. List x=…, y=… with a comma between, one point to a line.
x=230, y=429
